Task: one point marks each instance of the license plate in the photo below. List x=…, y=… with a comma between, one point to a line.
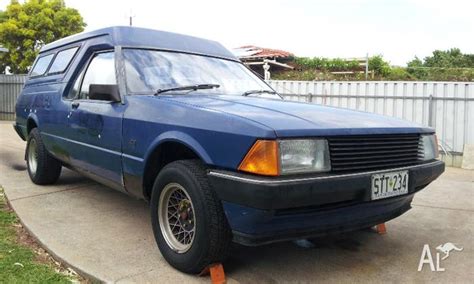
x=390, y=184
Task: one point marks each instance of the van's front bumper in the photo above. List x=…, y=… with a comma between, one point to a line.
x=263, y=209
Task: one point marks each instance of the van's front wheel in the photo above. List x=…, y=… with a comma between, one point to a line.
x=188, y=221
x=42, y=167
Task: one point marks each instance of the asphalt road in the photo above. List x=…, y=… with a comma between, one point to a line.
x=107, y=235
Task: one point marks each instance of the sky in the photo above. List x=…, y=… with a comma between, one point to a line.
x=398, y=30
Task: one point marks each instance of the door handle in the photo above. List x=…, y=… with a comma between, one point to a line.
x=75, y=105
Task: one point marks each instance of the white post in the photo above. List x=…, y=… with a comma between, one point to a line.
x=266, y=72
x=366, y=66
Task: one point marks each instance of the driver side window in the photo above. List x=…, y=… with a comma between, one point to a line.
x=101, y=70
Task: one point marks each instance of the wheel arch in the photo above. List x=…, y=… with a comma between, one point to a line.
x=166, y=148
x=31, y=122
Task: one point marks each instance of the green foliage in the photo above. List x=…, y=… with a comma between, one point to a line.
x=441, y=73
x=25, y=28
x=3, y=16
x=379, y=66
x=415, y=63
x=302, y=75
x=325, y=64
x=3, y=64
x=415, y=69
x=318, y=68
x=450, y=65
x=452, y=58
x=398, y=74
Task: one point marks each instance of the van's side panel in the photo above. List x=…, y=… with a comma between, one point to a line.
x=44, y=100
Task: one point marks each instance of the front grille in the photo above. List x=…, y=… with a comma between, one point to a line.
x=373, y=152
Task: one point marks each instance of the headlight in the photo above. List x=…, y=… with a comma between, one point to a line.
x=282, y=157
x=429, y=144
x=304, y=156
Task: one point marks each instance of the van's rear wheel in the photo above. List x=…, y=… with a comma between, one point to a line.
x=42, y=167
x=188, y=221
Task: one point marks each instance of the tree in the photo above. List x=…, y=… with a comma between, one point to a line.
x=2, y=52
x=416, y=69
x=25, y=28
x=452, y=58
x=449, y=58
x=2, y=16
x=379, y=66
x=417, y=62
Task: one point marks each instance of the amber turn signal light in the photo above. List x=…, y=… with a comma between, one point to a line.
x=262, y=159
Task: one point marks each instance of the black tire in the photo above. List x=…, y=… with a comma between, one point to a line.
x=212, y=236
x=47, y=169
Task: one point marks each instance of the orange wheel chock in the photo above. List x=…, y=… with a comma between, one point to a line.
x=216, y=270
x=381, y=229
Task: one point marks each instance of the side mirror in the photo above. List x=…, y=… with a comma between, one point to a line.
x=104, y=92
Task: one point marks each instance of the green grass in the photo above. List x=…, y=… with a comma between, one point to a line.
x=11, y=252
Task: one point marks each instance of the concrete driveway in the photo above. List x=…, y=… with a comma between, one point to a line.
x=107, y=235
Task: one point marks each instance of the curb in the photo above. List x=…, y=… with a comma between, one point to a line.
x=56, y=257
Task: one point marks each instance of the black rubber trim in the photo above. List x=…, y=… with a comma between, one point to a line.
x=18, y=131
x=284, y=192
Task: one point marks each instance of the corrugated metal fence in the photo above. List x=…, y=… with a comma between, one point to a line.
x=10, y=87
x=446, y=106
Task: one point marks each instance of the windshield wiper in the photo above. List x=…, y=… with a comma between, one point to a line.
x=258, y=92
x=188, y=87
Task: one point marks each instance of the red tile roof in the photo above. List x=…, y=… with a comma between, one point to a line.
x=250, y=51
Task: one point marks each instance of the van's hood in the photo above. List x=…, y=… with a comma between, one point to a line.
x=292, y=119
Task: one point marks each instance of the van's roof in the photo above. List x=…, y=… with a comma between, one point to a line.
x=148, y=38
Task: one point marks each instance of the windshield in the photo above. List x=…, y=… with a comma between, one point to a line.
x=148, y=71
